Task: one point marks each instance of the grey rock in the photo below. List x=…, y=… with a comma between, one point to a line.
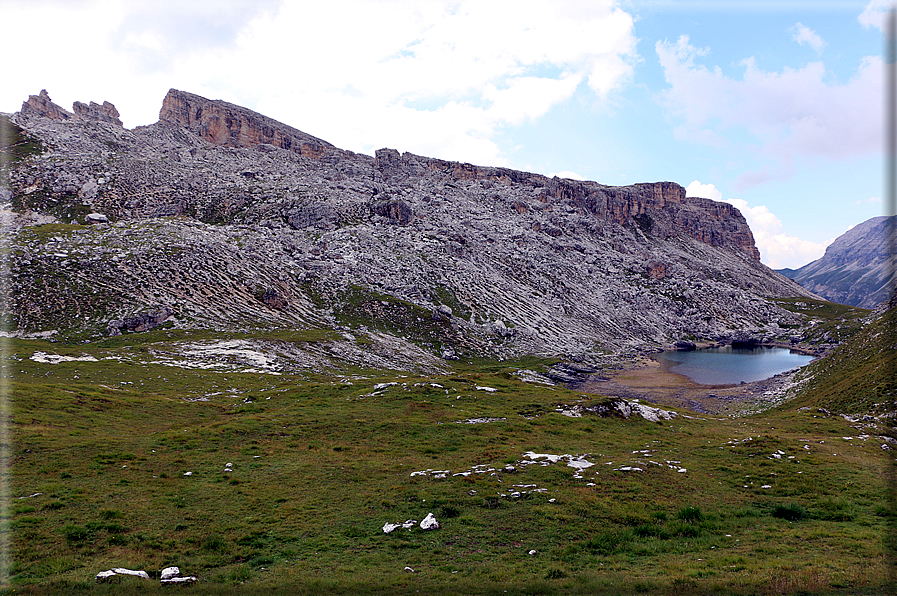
x=857, y=268
x=142, y=322
x=210, y=216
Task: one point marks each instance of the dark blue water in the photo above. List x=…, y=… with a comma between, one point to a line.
x=728, y=366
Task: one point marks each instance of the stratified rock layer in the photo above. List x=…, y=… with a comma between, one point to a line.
x=229, y=125
x=234, y=220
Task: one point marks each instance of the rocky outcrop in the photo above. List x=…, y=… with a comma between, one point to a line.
x=95, y=111
x=42, y=105
x=857, y=268
x=226, y=124
x=657, y=208
x=142, y=322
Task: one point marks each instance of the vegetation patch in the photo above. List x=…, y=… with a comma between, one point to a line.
x=273, y=482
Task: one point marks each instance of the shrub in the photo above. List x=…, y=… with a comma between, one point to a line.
x=836, y=509
x=791, y=512
x=690, y=514
x=75, y=534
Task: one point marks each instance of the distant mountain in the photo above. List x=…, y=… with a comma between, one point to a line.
x=856, y=268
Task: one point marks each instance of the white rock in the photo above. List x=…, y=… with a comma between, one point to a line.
x=123, y=571
x=104, y=576
x=531, y=553
x=429, y=523
x=187, y=579
x=388, y=527
x=169, y=572
x=409, y=569
x=188, y=473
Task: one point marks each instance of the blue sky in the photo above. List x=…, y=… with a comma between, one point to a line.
x=773, y=106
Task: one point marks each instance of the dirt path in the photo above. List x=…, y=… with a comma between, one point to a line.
x=646, y=380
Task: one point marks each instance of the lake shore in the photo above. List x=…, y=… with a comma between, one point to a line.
x=647, y=381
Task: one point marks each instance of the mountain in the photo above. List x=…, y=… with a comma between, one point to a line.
x=222, y=218
x=856, y=269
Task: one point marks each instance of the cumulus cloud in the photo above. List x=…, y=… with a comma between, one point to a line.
x=806, y=36
x=777, y=249
x=434, y=77
x=567, y=174
x=790, y=114
x=874, y=13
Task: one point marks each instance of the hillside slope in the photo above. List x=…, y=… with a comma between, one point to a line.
x=860, y=375
x=235, y=221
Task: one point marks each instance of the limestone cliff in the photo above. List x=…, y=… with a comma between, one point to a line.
x=229, y=125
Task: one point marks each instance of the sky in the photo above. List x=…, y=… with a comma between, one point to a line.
x=775, y=107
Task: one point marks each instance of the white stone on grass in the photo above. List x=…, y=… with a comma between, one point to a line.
x=104, y=576
x=429, y=523
x=187, y=579
x=169, y=572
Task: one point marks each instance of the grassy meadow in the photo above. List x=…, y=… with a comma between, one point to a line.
x=787, y=501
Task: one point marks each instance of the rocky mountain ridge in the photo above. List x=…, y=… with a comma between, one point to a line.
x=857, y=268
x=236, y=221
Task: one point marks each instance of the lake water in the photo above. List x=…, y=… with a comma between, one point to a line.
x=729, y=366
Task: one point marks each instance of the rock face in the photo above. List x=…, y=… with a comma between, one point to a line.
x=856, y=269
x=95, y=111
x=41, y=105
x=234, y=220
x=225, y=124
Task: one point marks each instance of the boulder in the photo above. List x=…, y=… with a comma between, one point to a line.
x=106, y=576
x=429, y=523
x=744, y=339
x=169, y=572
x=397, y=211
x=142, y=322
x=683, y=345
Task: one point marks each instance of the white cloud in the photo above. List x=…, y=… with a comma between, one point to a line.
x=874, y=13
x=791, y=114
x=777, y=249
x=705, y=191
x=806, y=36
x=567, y=174
x=869, y=201
x=434, y=77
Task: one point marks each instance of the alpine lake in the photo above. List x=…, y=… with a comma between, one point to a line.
x=726, y=365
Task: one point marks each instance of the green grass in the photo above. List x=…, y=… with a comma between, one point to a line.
x=320, y=465
x=859, y=376
x=829, y=319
